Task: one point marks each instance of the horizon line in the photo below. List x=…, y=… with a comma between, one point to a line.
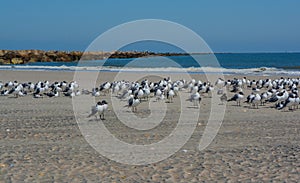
x=139, y=51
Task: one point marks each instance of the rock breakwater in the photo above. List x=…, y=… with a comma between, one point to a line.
x=25, y=56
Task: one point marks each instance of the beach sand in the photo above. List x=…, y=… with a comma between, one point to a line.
x=40, y=141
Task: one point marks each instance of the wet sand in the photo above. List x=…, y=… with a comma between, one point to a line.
x=40, y=141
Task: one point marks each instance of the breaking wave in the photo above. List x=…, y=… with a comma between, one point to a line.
x=192, y=70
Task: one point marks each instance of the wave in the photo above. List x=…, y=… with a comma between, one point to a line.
x=193, y=70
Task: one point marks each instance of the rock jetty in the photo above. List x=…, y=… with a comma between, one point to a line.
x=25, y=56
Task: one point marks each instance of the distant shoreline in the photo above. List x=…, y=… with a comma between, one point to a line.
x=25, y=56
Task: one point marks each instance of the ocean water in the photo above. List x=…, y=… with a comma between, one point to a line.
x=227, y=63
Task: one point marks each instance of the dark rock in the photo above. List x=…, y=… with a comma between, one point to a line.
x=25, y=56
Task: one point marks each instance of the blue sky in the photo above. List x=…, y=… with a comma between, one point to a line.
x=226, y=25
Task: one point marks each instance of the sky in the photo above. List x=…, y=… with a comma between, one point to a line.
x=225, y=25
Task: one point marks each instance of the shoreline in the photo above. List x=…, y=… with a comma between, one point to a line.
x=171, y=70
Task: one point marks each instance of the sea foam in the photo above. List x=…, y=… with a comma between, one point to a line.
x=192, y=70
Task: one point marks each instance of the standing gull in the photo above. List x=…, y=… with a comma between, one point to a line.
x=237, y=97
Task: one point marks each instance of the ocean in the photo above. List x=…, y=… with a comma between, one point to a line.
x=226, y=63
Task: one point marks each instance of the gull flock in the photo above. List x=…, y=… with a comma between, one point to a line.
x=281, y=93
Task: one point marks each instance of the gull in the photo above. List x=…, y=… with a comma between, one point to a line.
x=105, y=108
x=279, y=97
x=265, y=96
x=256, y=100
x=194, y=89
x=146, y=93
x=105, y=87
x=175, y=89
x=116, y=87
x=202, y=88
x=140, y=94
x=236, y=89
x=180, y=84
x=289, y=102
x=237, y=97
x=209, y=89
x=170, y=95
x=159, y=95
x=9, y=85
x=219, y=83
x=95, y=92
x=4, y=92
x=97, y=109
x=249, y=98
x=244, y=82
x=133, y=102
x=16, y=90
x=195, y=98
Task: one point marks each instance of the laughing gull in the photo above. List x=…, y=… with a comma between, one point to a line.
x=255, y=100
x=170, y=95
x=98, y=109
x=237, y=97
x=133, y=102
x=196, y=99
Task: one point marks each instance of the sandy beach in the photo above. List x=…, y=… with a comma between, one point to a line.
x=40, y=141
